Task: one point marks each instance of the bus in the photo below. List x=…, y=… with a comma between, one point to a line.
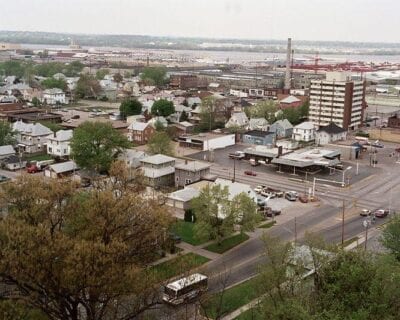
x=185, y=289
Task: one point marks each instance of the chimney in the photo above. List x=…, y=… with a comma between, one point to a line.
x=288, y=62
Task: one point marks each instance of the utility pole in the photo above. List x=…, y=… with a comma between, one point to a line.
x=295, y=230
x=343, y=223
x=366, y=235
x=234, y=169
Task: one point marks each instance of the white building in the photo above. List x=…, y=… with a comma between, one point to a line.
x=337, y=99
x=237, y=120
x=304, y=132
x=53, y=96
x=330, y=133
x=58, y=145
x=31, y=137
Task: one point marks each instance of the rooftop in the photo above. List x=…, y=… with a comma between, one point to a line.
x=63, y=167
x=158, y=159
x=192, y=166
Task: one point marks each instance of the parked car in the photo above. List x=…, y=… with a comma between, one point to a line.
x=381, y=213
x=277, y=192
x=268, y=212
x=365, y=212
x=237, y=155
x=4, y=178
x=290, y=196
x=32, y=168
x=268, y=194
x=261, y=202
x=258, y=189
x=303, y=198
x=250, y=173
x=378, y=144
x=77, y=116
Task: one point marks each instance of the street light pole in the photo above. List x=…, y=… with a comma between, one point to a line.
x=343, y=223
x=295, y=230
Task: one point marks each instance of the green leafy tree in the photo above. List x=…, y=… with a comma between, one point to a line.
x=291, y=114
x=85, y=252
x=160, y=142
x=87, y=87
x=264, y=109
x=244, y=209
x=101, y=73
x=95, y=145
x=73, y=69
x=49, y=69
x=12, y=68
x=184, y=116
x=118, y=77
x=130, y=108
x=154, y=75
x=51, y=83
x=207, y=114
x=7, y=134
x=304, y=109
x=214, y=217
x=391, y=237
x=36, y=102
x=163, y=108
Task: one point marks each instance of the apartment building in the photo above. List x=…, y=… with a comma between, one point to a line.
x=337, y=100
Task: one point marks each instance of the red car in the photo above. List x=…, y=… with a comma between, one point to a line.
x=381, y=213
x=250, y=173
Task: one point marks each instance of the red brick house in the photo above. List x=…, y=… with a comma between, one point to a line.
x=140, y=132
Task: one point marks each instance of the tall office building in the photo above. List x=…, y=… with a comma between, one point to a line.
x=337, y=99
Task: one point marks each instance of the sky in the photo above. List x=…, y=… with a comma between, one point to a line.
x=344, y=20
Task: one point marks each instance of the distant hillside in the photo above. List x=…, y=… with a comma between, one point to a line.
x=154, y=42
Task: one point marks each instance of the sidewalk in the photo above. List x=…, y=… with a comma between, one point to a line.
x=198, y=250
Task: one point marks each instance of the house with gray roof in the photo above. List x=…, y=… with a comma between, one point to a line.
x=31, y=137
x=158, y=170
x=187, y=172
x=259, y=124
x=237, y=120
x=6, y=151
x=60, y=170
x=282, y=128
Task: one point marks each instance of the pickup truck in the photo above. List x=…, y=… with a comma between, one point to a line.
x=237, y=155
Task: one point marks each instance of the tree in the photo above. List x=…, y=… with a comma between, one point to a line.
x=73, y=69
x=291, y=114
x=244, y=209
x=264, y=109
x=87, y=87
x=214, y=217
x=154, y=75
x=118, y=77
x=304, y=109
x=160, y=142
x=101, y=73
x=207, y=114
x=184, y=116
x=51, y=83
x=163, y=108
x=95, y=145
x=130, y=108
x=391, y=237
x=12, y=68
x=7, y=134
x=84, y=252
x=36, y=102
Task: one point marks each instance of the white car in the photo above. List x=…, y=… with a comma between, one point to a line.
x=258, y=189
x=268, y=194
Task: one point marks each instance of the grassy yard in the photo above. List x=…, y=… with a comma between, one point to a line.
x=185, y=231
x=39, y=157
x=227, y=243
x=251, y=314
x=267, y=225
x=348, y=242
x=233, y=298
x=176, y=266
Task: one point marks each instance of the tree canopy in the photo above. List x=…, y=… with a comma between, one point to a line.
x=264, y=109
x=101, y=73
x=163, y=108
x=160, y=142
x=87, y=86
x=7, y=134
x=51, y=83
x=130, y=108
x=79, y=254
x=95, y=145
x=391, y=237
x=154, y=75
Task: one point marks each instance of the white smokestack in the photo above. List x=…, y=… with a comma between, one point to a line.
x=288, y=64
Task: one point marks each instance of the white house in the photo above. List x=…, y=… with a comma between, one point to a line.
x=259, y=124
x=238, y=119
x=330, y=133
x=31, y=137
x=61, y=170
x=6, y=151
x=54, y=96
x=58, y=145
x=304, y=132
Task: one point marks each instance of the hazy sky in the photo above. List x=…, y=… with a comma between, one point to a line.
x=349, y=20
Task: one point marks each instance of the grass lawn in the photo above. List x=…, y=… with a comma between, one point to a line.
x=348, y=241
x=39, y=157
x=176, y=266
x=185, y=231
x=251, y=314
x=233, y=298
x=267, y=225
x=227, y=243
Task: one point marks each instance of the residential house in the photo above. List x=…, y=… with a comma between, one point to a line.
x=181, y=199
x=394, y=121
x=14, y=162
x=136, y=118
x=179, y=109
x=158, y=170
x=31, y=137
x=259, y=137
x=58, y=145
x=282, y=128
x=259, y=124
x=158, y=120
x=190, y=171
x=140, y=132
x=330, y=133
x=290, y=102
x=132, y=157
x=193, y=102
x=60, y=170
x=304, y=132
x=6, y=151
x=237, y=120
x=53, y=96
x=183, y=128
